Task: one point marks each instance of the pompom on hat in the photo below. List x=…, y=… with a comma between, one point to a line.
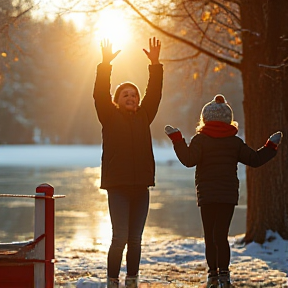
x=217, y=110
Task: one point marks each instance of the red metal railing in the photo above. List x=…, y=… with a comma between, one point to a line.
x=31, y=263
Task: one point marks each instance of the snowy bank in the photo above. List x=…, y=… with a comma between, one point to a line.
x=179, y=263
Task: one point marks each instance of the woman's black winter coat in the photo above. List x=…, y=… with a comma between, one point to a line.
x=127, y=157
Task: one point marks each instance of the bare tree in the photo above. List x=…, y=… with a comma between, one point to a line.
x=11, y=15
x=13, y=20
x=251, y=36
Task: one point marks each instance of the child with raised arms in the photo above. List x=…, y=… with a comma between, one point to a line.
x=215, y=150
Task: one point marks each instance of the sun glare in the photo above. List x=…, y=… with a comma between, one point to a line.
x=78, y=19
x=112, y=25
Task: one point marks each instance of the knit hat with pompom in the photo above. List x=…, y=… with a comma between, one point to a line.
x=217, y=110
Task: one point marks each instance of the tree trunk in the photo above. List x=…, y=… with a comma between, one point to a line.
x=265, y=83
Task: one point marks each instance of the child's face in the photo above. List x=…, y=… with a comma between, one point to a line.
x=128, y=99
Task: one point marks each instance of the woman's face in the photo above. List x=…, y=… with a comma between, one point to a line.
x=129, y=99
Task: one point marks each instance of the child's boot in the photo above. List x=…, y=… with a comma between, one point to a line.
x=112, y=282
x=131, y=281
x=224, y=279
x=212, y=279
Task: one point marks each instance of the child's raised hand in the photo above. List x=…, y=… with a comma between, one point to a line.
x=154, y=47
x=173, y=133
x=107, y=55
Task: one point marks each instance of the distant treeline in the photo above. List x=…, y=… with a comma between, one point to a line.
x=46, y=88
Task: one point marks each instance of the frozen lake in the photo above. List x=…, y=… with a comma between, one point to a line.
x=82, y=217
x=83, y=229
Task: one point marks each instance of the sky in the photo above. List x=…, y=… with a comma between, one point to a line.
x=111, y=22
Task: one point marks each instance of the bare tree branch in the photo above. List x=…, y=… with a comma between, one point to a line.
x=204, y=34
x=234, y=64
x=228, y=11
x=64, y=10
x=182, y=59
x=13, y=19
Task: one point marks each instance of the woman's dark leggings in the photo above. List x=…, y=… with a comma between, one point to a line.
x=128, y=211
x=216, y=219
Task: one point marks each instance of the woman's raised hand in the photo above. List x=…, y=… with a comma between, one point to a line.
x=154, y=47
x=107, y=55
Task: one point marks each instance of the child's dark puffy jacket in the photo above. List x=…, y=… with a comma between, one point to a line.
x=216, y=162
x=127, y=158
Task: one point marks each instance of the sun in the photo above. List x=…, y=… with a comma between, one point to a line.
x=113, y=25
x=110, y=23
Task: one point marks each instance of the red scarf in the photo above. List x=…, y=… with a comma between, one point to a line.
x=218, y=129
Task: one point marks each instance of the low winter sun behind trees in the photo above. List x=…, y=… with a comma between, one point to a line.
x=48, y=66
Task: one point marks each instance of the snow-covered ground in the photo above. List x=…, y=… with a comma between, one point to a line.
x=177, y=262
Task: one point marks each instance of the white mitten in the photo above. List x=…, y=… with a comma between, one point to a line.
x=276, y=137
x=274, y=140
x=173, y=133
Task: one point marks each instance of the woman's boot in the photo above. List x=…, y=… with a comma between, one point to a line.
x=212, y=280
x=224, y=279
x=131, y=281
x=112, y=282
